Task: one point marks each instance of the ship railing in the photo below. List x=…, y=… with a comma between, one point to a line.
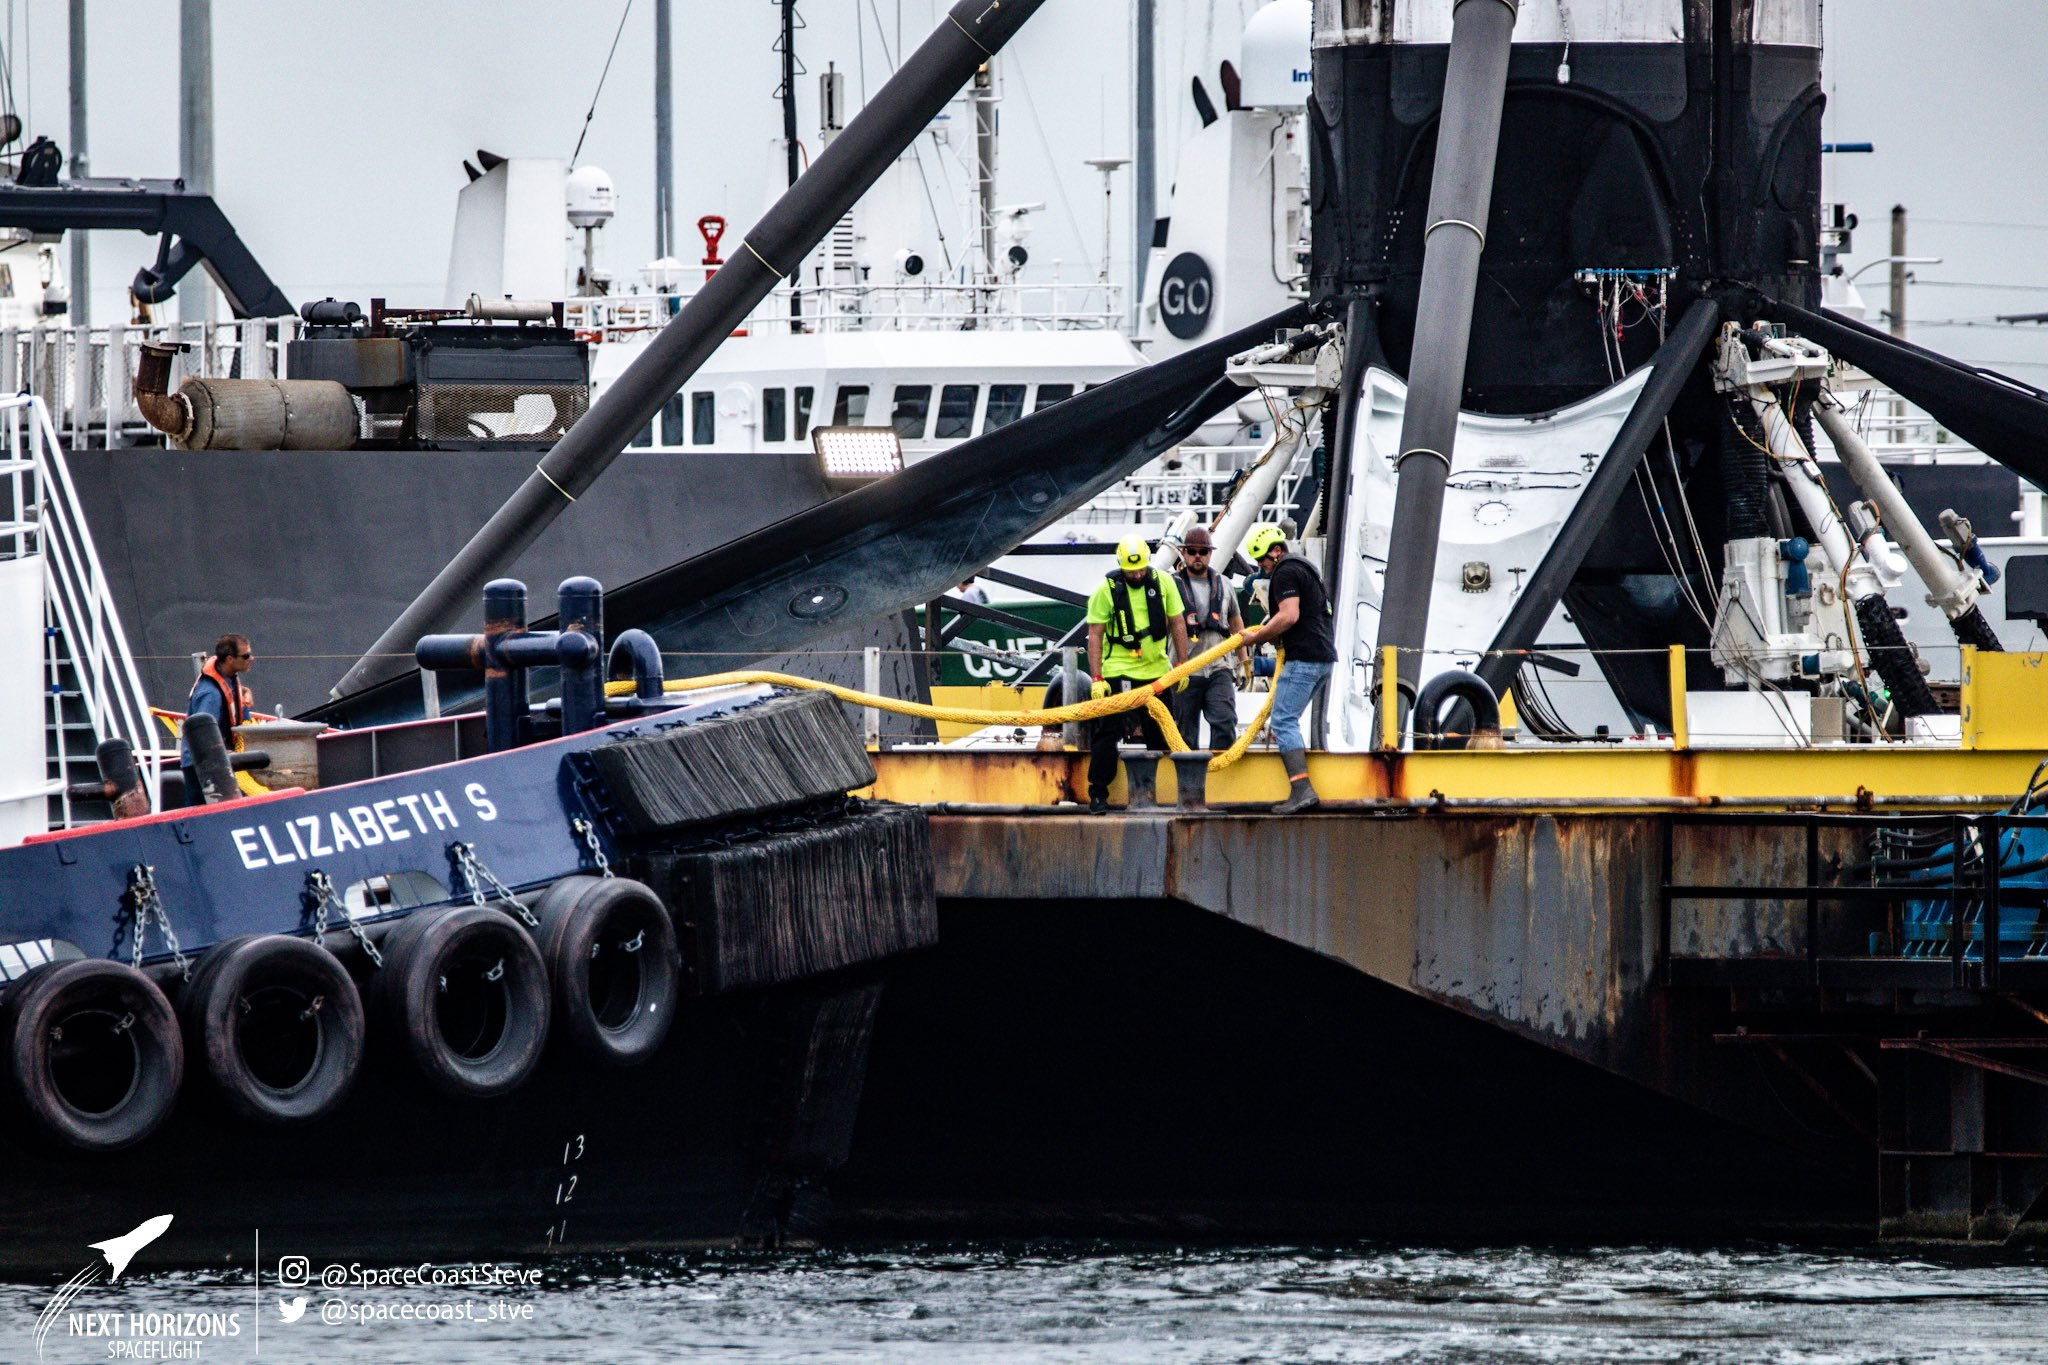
x=838, y=308
x=1789, y=900
x=48, y=520
x=86, y=375
x=1193, y=478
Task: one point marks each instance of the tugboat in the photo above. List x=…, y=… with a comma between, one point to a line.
x=589, y=974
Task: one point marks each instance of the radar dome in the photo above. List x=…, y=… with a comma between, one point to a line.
x=591, y=199
x=1276, y=60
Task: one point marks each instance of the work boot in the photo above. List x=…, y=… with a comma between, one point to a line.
x=1098, y=803
x=1300, y=795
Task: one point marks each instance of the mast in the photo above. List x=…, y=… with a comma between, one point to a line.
x=1898, y=280
x=195, y=133
x=789, y=143
x=985, y=162
x=1144, y=152
x=81, y=240
x=664, y=135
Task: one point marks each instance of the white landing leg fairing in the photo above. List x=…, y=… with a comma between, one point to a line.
x=1513, y=483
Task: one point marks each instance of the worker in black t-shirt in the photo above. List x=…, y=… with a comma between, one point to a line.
x=1298, y=608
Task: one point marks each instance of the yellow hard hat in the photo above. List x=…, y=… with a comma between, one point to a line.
x=1263, y=538
x=1133, y=553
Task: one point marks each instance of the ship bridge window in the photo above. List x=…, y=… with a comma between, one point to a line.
x=850, y=408
x=774, y=414
x=1005, y=405
x=802, y=427
x=703, y=419
x=646, y=436
x=913, y=405
x=672, y=421
x=956, y=412
x=1048, y=394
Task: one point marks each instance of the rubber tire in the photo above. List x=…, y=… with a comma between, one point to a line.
x=41, y=999
x=206, y=1008
x=579, y=912
x=405, y=990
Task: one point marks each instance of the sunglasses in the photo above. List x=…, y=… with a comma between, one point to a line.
x=1193, y=553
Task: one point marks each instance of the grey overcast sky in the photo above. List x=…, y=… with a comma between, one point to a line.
x=341, y=127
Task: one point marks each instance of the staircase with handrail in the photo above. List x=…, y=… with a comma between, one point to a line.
x=79, y=685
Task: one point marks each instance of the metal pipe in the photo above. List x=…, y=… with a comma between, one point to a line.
x=794, y=167
x=579, y=613
x=1803, y=477
x=1671, y=367
x=635, y=655
x=1460, y=197
x=81, y=240
x=985, y=164
x=505, y=701
x=1948, y=586
x=900, y=111
x=1250, y=497
x=1144, y=151
x=1791, y=804
x=1898, y=264
x=664, y=140
x=168, y=412
x=195, y=131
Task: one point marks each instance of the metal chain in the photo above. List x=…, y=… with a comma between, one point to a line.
x=588, y=833
x=476, y=874
x=149, y=904
x=320, y=887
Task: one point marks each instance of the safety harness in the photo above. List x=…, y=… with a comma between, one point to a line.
x=1218, y=616
x=1123, y=626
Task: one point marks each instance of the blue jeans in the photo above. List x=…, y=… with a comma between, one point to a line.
x=1297, y=687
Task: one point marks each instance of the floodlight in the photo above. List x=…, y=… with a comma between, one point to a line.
x=851, y=456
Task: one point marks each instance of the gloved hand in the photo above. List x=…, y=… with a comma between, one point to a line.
x=1099, y=689
x=1182, y=685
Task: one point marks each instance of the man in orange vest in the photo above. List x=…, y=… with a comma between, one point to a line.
x=217, y=692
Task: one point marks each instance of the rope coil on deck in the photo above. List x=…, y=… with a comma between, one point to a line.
x=1147, y=695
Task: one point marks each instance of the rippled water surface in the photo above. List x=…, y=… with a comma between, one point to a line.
x=1082, y=1302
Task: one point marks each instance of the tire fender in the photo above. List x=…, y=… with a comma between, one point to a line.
x=464, y=995
x=610, y=949
x=275, y=972
x=60, y=1021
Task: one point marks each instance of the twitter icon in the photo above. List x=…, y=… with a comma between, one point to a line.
x=291, y=1310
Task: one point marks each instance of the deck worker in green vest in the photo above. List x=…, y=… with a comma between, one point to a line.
x=1213, y=617
x=1298, y=617
x=1133, y=615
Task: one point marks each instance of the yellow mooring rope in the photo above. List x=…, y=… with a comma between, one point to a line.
x=1146, y=695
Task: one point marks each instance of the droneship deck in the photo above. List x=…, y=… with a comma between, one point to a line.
x=1787, y=947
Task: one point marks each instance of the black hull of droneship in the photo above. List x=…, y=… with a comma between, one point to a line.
x=728, y=1136
x=1150, y=1070
x=312, y=553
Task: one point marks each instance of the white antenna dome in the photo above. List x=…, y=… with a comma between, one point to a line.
x=591, y=201
x=1276, y=60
